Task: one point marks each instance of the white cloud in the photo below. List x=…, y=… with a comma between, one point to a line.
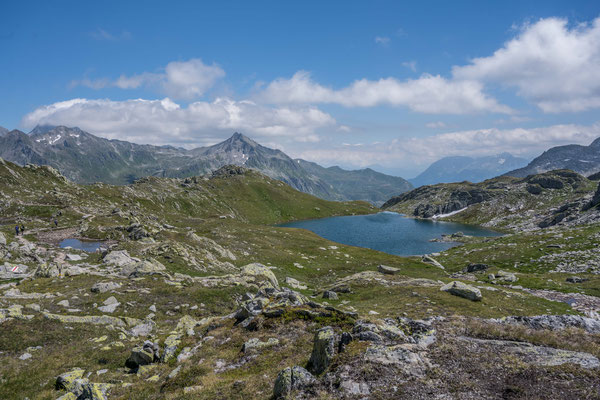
x=180, y=79
x=412, y=65
x=555, y=66
x=410, y=152
x=430, y=94
x=382, y=40
x=166, y=122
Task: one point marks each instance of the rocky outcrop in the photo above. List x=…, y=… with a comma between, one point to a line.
x=553, y=322
x=384, y=269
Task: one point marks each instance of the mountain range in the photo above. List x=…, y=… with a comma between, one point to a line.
x=86, y=158
x=459, y=169
x=584, y=160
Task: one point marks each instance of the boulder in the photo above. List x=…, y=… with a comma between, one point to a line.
x=576, y=279
x=66, y=380
x=462, y=290
x=140, y=356
x=294, y=283
x=506, y=276
x=254, y=344
x=142, y=268
x=323, y=350
x=431, y=261
x=120, y=258
x=2, y=239
x=384, y=269
x=292, y=379
x=256, y=269
x=103, y=287
x=474, y=267
x=110, y=305
x=47, y=271
x=330, y=294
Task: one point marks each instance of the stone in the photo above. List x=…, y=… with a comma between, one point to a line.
x=462, y=290
x=384, y=269
x=64, y=303
x=255, y=345
x=2, y=239
x=103, y=287
x=66, y=380
x=139, y=356
x=260, y=270
x=576, y=279
x=74, y=257
x=431, y=261
x=330, y=294
x=152, y=308
x=47, y=271
x=506, y=276
x=554, y=322
x=25, y=356
x=294, y=283
x=120, y=258
x=110, y=305
x=473, y=267
x=143, y=268
x=323, y=350
x=399, y=355
x=171, y=344
x=345, y=340
x=93, y=319
x=292, y=379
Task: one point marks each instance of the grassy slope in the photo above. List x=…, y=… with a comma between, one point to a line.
x=256, y=203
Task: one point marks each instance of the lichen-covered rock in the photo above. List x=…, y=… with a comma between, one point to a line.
x=506, y=276
x=255, y=344
x=292, y=379
x=142, y=268
x=462, y=290
x=66, y=380
x=47, y=271
x=256, y=269
x=93, y=319
x=171, y=344
x=330, y=294
x=323, y=350
x=139, y=356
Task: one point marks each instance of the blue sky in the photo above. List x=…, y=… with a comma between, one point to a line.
x=349, y=83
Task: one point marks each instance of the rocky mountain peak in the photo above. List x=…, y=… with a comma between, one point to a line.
x=3, y=131
x=595, y=144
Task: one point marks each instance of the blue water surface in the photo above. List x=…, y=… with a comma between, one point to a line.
x=389, y=232
x=90, y=247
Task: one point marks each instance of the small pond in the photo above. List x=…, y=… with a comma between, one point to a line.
x=85, y=245
x=389, y=232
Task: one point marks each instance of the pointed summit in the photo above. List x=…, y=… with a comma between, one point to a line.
x=239, y=137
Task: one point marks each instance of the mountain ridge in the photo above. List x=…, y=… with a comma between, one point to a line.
x=584, y=160
x=85, y=158
x=463, y=168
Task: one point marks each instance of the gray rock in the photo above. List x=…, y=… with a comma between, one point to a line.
x=462, y=290
x=103, y=287
x=576, y=279
x=506, y=276
x=254, y=344
x=323, y=350
x=25, y=356
x=2, y=239
x=294, y=283
x=292, y=379
x=331, y=295
x=74, y=257
x=475, y=268
x=553, y=322
x=430, y=260
x=140, y=356
x=384, y=269
x=64, y=303
x=120, y=258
